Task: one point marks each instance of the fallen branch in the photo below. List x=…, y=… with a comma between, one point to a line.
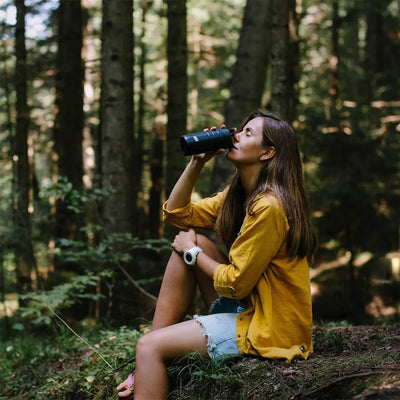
x=136, y=285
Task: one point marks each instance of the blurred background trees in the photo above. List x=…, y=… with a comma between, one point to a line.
x=94, y=98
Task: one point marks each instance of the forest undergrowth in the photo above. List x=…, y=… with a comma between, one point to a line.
x=349, y=362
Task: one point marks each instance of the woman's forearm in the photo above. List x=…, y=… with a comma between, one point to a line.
x=182, y=191
x=207, y=264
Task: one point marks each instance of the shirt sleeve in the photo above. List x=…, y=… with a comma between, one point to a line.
x=262, y=235
x=199, y=216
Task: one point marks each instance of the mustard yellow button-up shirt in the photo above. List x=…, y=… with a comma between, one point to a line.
x=278, y=320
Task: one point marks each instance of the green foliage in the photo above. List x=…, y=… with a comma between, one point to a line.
x=108, y=253
x=99, y=261
x=60, y=297
x=74, y=199
x=62, y=367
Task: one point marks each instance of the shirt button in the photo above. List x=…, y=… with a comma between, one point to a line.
x=239, y=335
x=240, y=319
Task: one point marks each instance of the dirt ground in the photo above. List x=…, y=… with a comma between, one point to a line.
x=360, y=363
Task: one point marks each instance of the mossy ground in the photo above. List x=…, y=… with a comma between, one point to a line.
x=347, y=363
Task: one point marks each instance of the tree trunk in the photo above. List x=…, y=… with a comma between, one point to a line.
x=140, y=216
x=69, y=110
x=334, y=59
x=70, y=92
x=284, y=59
x=24, y=252
x=177, y=89
x=373, y=39
x=177, y=92
x=353, y=78
x=117, y=122
x=375, y=58
x=249, y=76
x=156, y=171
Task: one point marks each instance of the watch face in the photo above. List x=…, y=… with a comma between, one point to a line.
x=190, y=255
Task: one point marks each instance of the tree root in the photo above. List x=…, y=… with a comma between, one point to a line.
x=302, y=395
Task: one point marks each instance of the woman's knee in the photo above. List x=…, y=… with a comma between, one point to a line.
x=154, y=346
x=146, y=347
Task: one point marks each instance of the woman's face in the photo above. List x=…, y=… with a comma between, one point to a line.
x=248, y=148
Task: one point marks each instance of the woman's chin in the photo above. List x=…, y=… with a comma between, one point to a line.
x=230, y=156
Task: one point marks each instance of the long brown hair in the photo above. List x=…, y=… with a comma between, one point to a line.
x=282, y=176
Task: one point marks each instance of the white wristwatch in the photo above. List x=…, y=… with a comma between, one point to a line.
x=190, y=256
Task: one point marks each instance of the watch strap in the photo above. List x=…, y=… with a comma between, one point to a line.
x=190, y=256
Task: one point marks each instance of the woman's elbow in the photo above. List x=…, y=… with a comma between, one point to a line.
x=236, y=292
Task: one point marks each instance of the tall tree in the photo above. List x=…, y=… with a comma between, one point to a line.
x=69, y=102
x=25, y=260
x=138, y=151
x=381, y=49
x=334, y=56
x=156, y=171
x=249, y=75
x=177, y=93
x=117, y=121
x=177, y=89
x=353, y=92
x=284, y=58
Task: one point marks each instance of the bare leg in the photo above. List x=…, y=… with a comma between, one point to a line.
x=206, y=285
x=176, y=295
x=158, y=347
x=154, y=351
x=179, y=284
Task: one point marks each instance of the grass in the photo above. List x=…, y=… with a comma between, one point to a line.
x=59, y=365
x=204, y=376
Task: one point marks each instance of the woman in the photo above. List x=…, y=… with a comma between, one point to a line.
x=260, y=294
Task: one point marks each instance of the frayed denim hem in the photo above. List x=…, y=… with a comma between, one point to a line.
x=220, y=331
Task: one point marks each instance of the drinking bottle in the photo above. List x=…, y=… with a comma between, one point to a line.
x=204, y=142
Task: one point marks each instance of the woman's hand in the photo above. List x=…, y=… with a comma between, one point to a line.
x=180, y=194
x=204, y=157
x=184, y=241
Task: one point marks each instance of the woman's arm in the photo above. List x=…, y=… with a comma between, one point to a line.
x=181, y=193
x=186, y=240
x=262, y=236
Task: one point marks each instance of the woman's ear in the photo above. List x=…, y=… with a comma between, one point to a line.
x=268, y=153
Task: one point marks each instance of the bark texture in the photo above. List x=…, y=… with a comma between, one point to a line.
x=117, y=123
x=23, y=246
x=69, y=110
x=177, y=89
x=249, y=75
x=284, y=59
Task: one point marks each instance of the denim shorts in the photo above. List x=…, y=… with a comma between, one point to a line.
x=219, y=327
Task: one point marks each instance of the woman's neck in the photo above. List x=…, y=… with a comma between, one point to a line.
x=249, y=176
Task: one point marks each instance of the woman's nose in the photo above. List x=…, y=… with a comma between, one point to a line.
x=236, y=136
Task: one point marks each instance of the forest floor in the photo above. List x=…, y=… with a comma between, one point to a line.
x=349, y=362
x=352, y=362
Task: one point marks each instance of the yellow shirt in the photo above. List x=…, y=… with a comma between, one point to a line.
x=278, y=320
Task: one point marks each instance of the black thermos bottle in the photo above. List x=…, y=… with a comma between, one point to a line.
x=203, y=142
